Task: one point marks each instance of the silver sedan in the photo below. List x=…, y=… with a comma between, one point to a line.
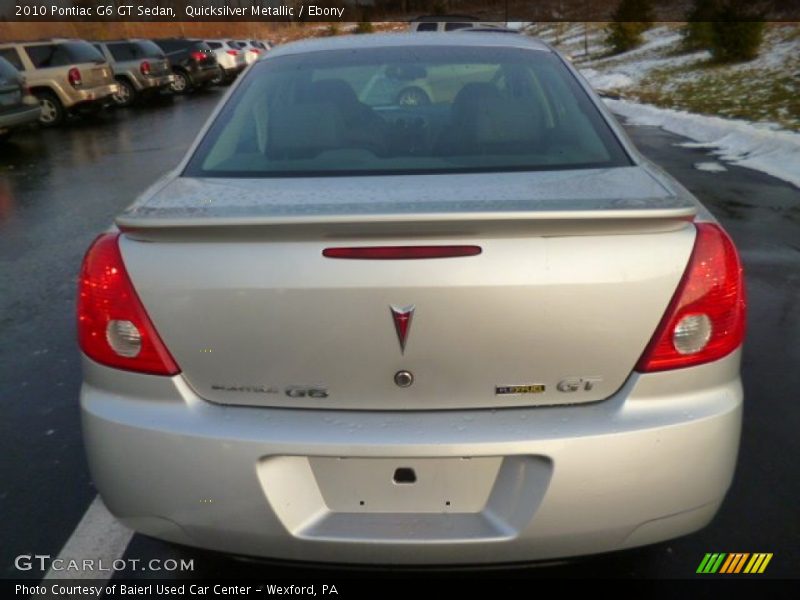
x=478, y=328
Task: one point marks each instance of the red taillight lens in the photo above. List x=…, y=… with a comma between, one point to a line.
x=400, y=252
x=706, y=318
x=255, y=50
x=74, y=77
x=198, y=56
x=232, y=52
x=113, y=326
x=144, y=68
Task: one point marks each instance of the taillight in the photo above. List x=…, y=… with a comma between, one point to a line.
x=706, y=318
x=113, y=326
x=144, y=68
x=255, y=50
x=232, y=52
x=74, y=77
x=198, y=56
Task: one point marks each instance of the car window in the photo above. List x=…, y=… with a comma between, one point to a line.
x=407, y=110
x=456, y=26
x=48, y=55
x=123, y=51
x=148, y=49
x=11, y=55
x=7, y=71
x=214, y=45
x=426, y=27
x=168, y=45
x=81, y=52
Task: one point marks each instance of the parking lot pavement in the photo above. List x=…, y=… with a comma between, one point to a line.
x=59, y=188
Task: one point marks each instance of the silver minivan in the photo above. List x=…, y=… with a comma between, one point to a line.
x=140, y=68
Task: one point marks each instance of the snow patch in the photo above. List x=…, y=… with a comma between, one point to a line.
x=606, y=81
x=711, y=167
x=776, y=153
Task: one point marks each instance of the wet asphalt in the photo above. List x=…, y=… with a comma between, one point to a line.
x=60, y=188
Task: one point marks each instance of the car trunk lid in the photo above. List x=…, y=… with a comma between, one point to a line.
x=555, y=309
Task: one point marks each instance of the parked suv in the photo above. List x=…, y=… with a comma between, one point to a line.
x=193, y=63
x=17, y=107
x=449, y=23
x=251, y=50
x=230, y=58
x=65, y=75
x=140, y=67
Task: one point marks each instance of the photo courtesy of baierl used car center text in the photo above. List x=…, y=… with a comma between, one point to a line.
x=329, y=298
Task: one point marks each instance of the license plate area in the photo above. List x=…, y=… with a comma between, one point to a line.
x=404, y=498
x=418, y=485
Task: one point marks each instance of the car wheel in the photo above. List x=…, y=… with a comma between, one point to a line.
x=53, y=112
x=413, y=96
x=181, y=83
x=126, y=94
x=218, y=79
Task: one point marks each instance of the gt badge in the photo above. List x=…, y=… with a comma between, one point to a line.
x=402, y=323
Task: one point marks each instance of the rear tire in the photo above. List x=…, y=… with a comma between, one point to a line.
x=53, y=113
x=127, y=94
x=181, y=84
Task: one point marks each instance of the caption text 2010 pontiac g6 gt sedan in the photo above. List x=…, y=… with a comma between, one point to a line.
x=413, y=299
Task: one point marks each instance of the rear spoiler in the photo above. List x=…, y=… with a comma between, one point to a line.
x=532, y=222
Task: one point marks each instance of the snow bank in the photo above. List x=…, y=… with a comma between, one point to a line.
x=606, y=81
x=711, y=167
x=776, y=153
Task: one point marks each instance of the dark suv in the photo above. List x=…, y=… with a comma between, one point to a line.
x=193, y=63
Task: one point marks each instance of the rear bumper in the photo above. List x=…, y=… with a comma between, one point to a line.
x=233, y=72
x=651, y=463
x=201, y=76
x=96, y=95
x=147, y=84
x=19, y=118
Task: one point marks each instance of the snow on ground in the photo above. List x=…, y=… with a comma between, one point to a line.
x=776, y=153
x=753, y=95
x=711, y=167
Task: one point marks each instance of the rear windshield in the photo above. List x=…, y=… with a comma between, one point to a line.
x=123, y=51
x=406, y=110
x=61, y=54
x=83, y=52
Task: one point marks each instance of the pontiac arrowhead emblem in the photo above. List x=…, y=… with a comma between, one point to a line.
x=402, y=323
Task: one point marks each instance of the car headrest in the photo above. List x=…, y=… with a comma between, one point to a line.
x=470, y=98
x=305, y=130
x=504, y=120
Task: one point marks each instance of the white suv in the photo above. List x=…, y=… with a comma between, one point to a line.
x=230, y=57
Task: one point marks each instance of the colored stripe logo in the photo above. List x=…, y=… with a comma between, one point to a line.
x=734, y=563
